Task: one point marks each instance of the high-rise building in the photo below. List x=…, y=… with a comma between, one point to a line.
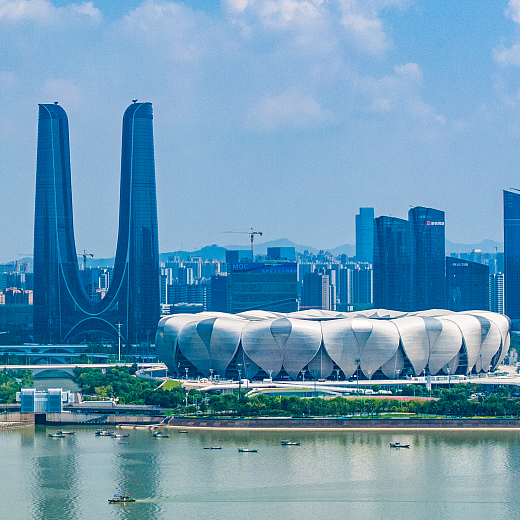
x=392, y=264
x=467, y=285
x=512, y=254
x=269, y=286
x=316, y=292
x=63, y=311
x=496, y=293
x=365, y=235
x=427, y=244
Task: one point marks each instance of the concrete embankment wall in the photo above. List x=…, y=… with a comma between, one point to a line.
x=346, y=424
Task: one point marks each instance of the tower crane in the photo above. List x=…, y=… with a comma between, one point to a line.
x=250, y=233
x=85, y=255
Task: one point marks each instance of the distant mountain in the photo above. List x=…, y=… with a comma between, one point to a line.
x=218, y=253
x=486, y=246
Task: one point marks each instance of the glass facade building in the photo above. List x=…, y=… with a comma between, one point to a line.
x=392, y=263
x=428, y=258
x=512, y=254
x=365, y=235
x=63, y=311
x=467, y=285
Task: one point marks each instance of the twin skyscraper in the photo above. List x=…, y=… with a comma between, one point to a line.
x=63, y=312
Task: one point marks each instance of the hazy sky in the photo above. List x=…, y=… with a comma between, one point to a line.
x=281, y=115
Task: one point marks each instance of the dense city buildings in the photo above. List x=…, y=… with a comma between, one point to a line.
x=427, y=255
x=467, y=285
x=392, y=264
x=512, y=254
x=316, y=293
x=63, y=311
x=365, y=235
x=496, y=293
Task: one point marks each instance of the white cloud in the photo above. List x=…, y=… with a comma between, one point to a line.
x=45, y=11
x=400, y=93
x=513, y=10
x=292, y=109
x=509, y=56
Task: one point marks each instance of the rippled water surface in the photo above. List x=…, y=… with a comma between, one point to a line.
x=463, y=475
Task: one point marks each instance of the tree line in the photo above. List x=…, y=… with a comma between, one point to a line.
x=121, y=383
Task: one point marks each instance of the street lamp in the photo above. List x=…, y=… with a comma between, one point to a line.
x=119, y=342
x=211, y=372
x=239, y=365
x=357, y=360
x=337, y=374
x=303, y=375
x=449, y=377
x=186, y=375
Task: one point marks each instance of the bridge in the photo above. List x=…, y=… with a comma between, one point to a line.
x=67, y=370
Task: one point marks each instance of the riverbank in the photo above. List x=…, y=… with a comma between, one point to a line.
x=321, y=423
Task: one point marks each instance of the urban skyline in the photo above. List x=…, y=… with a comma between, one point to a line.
x=273, y=110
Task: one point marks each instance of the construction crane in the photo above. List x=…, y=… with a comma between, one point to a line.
x=85, y=255
x=250, y=233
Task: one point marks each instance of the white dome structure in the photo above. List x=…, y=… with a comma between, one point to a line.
x=378, y=342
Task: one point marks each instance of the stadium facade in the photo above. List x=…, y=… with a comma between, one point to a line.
x=371, y=344
x=62, y=308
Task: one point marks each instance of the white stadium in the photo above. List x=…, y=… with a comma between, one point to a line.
x=319, y=344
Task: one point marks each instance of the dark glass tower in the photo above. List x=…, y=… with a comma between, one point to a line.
x=512, y=254
x=365, y=235
x=63, y=311
x=428, y=246
x=392, y=263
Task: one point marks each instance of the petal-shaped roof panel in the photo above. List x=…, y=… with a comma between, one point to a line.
x=171, y=328
x=470, y=329
x=446, y=345
x=321, y=365
x=224, y=342
x=301, y=346
x=393, y=367
x=259, y=345
x=341, y=344
x=259, y=315
x=362, y=329
x=194, y=349
x=414, y=340
x=380, y=346
x=281, y=330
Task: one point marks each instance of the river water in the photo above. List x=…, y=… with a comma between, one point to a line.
x=460, y=474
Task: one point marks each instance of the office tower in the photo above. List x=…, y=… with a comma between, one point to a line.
x=512, y=254
x=269, y=286
x=218, y=299
x=63, y=311
x=467, y=285
x=427, y=244
x=281, y=253
x=496, y=292
x=365, y=235
x=316, y=293
x=392, y=264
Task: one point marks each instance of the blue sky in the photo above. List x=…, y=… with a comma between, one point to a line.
x=281, y=115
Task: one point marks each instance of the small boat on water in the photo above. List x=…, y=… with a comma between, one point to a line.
x=212, y=447
x=121, y=499
x=56, y=435
x=103, y=433
x=398, y=445
x=64, y=432
x=290, y=443
x=247, y=450
x=119, y=435
x=160, y=435
x=183, y=431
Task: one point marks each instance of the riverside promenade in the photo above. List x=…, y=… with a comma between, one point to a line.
x=332, y=423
